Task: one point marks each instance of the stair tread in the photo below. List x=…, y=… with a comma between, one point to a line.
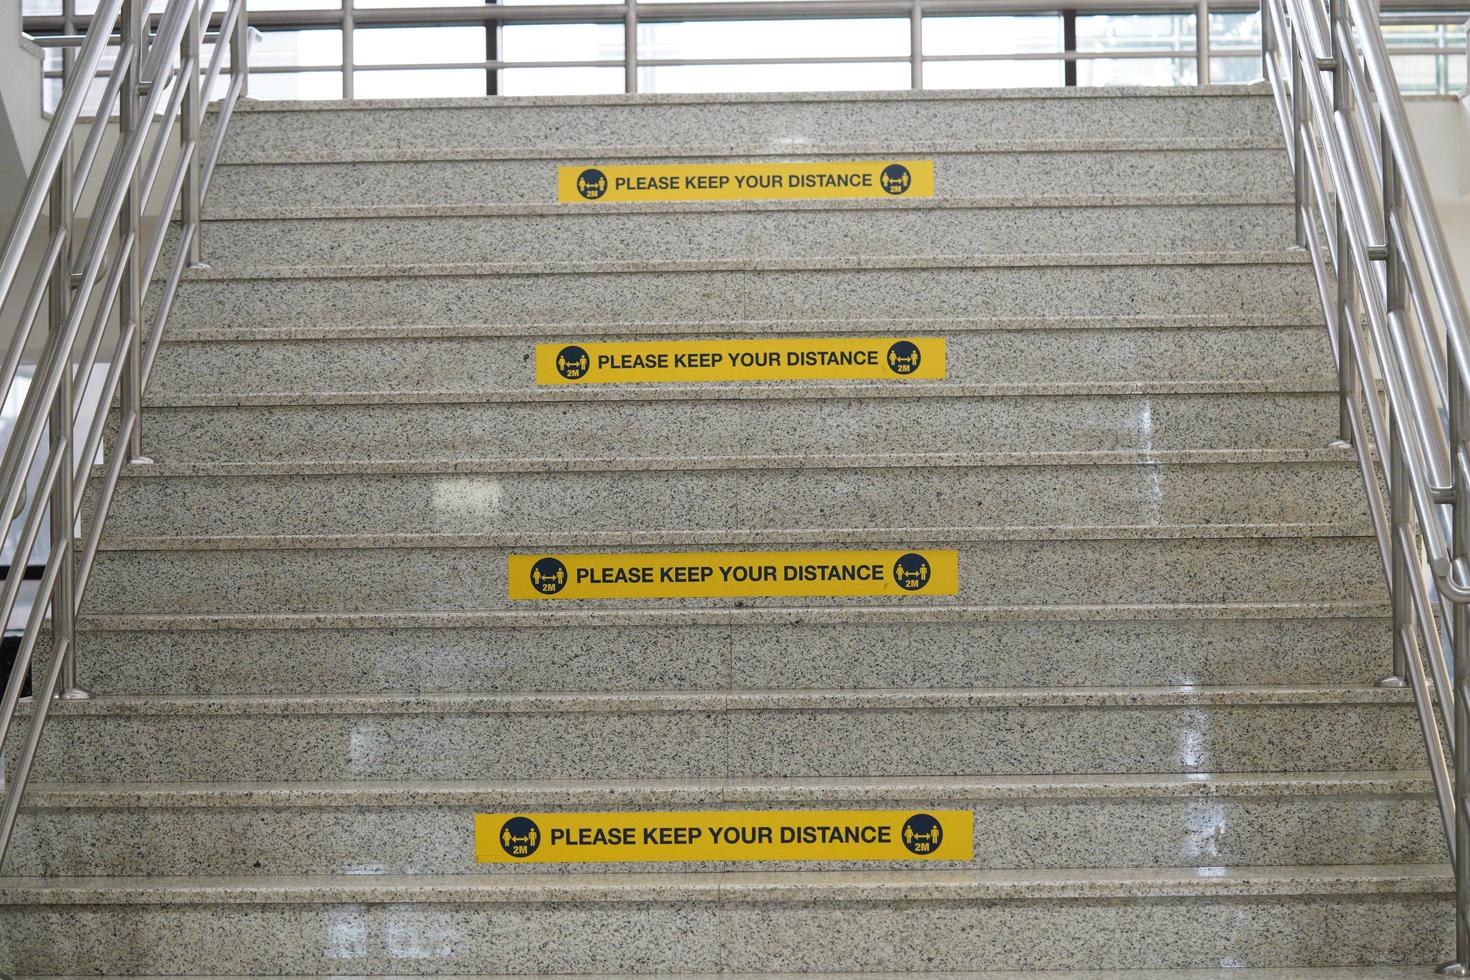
x=755, y=700
x=778, y=538
x=275, y=212
x=1283, y=256
x=398, y=619
x=1318, y=382
x=1126, y=457
x=682, y=792
x=926, y=885
x=183, y=333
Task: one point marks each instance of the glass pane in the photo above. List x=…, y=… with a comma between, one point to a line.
x=40, y=7
x=296, y=49
x=991, y=35
x=428, y=83
x=419, y=3
x=561, y=81
x=1425, y=35
x=992, y=74
x=775, y=78
x=1136, y=71
x=1235, y=71
x=418, y=45
x=539, y=3
x=296, y=85
x=1135, y=32
x=1235, y=32
x=561, y=42
x=295, y=4
x=774, y=39
x=1429, y=74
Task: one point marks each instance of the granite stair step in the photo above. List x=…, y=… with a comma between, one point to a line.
x=1020, y=822
x=996, y=566
x=1246, y=487
x=714, y=649
x=791, y=123
x=677, y=422
x=1260, y=283
x=1103, y=169
x=729, y=231
x=733, y=921
x=729, y=734
x=406, y=360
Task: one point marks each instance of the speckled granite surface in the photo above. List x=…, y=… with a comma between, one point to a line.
x=1155, y=689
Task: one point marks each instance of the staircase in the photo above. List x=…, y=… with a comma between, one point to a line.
x=1155, y=688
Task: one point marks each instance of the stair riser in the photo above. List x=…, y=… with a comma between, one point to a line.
x=990, y=573
x=799, y=655
x=1007, y=496
x=765, y=123
x=501, y=363
x=1009, y=834
x=586, y=235
x=595, y=429
x=1259, y=290
x=476, y=182
x=616, y=744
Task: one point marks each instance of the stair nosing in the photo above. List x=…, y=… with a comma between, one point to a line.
x=779, y=539
x=898, y=326
x=739, y=886
x=1233, y=199
x=345, y=467
x=719, y=616
x=484, y=793
x=666, y=702
x=857, y=263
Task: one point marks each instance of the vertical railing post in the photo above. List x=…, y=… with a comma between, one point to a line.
x=1298, y=133
x=1267, y=40
x=240, y=49
x=130, y=229
x=1459, y=406
x=916, y=44
x=349, y=50
x=1347, y=322
x=630, y=46
x=189, y=130
x=1400, y=596
x=1202, y=42
x=59, y=425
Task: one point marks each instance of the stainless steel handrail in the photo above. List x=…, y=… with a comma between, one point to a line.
x=1401, y=333
x=94, y=274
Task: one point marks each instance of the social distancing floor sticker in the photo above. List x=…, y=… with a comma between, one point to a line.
x=733, y=574
x=780, y=181
x=715, y=835
x=779, y=359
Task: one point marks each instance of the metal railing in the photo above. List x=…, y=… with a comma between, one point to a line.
x=87, y=276
x=1401, y=334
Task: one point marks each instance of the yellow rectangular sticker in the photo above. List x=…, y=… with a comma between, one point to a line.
x=792, y=359
x=722, y=574
x=717, y=835
x=785, y=181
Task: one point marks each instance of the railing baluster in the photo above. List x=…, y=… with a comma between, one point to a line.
x=1298, y=128
x=1399, y=583
x=1459, y=406
x=189, y=129
x=130, y=224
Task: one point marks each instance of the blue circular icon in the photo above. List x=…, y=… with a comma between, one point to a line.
x=572, y=363
x=548, y=576
x=911, y=572
x=519, y=837
x=922, y=834
x=592, y=183
x=904, y=357
x=895, y=178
